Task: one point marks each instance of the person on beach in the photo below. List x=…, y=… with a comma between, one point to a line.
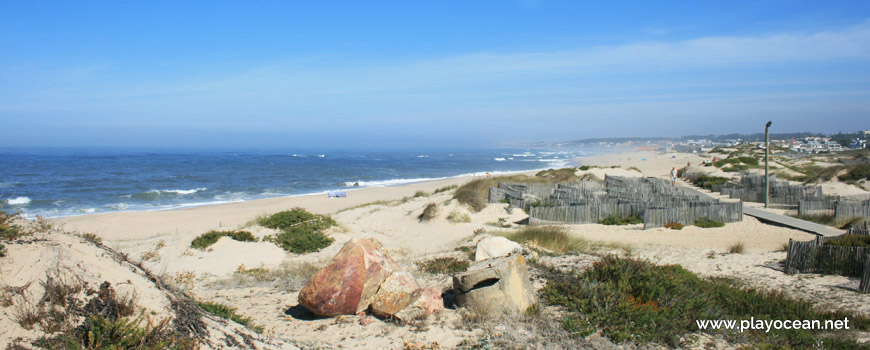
x=673, y=176
x=488, y=174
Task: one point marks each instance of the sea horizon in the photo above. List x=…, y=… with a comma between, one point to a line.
x=69, y=181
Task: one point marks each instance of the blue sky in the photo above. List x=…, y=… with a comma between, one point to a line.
x=426, y=73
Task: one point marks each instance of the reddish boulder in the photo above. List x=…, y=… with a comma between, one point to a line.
x=349, y=283
x=426, y=301
x=396, y=293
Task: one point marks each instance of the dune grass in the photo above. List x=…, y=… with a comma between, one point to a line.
x=229, y=313
x=475, y=193
x=429, y=213
x=556, y=239
x=444, y=265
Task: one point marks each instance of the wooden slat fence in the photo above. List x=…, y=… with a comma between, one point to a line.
x=816, y=257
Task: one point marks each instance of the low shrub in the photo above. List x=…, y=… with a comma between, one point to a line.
x=707, y=182
x=856, y=173
x=205, y=240
x=674, y=226
x=420, y=194
x=301, y=239
x=445, y=265
x=228, y=313
x=850, y=241
x=638, y=301
x=474, y=193
x=708, y=223
x=429, y=213
x=621, y=220
x=2, y=250
x=458, y=217
x=8, y=229
x=296, y=217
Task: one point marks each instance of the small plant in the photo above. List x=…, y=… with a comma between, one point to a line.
x=783, y=247
x=620, y=220
x=8, y=229
x=91, y=237
x=228, y=313
x=420, y=194
x=674, y=226
x=302, y=239
x=708, y=223
x=457, y=217
x=737, y=248
x=150, y=256
x=446, y=265
x=2, y=250
x=205, y=240
x=635, y=169
x=429, y=213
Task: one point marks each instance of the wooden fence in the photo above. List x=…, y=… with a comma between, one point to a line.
x=750, y=188
x=816, y=257
x=656, y=201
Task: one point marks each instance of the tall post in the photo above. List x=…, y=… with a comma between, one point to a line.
x=767, y=165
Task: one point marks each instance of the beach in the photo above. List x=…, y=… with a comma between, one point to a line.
x=161, y=241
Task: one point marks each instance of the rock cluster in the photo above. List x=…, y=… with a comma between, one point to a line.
x=360, y=276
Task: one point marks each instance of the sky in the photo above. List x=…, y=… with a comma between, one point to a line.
x=425, y=73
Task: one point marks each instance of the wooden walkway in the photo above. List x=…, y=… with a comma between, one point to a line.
x=784, y=220
x=789, y=221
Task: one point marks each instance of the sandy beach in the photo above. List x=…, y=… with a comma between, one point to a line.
x=161, y=241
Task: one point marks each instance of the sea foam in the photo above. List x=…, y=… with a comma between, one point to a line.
x=18, y=201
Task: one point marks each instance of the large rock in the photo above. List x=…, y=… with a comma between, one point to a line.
x=426, y=301
x=495, y=286
x=348, y=285
x=494, y=247
x=396, y=293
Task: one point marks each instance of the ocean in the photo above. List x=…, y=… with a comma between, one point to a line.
x=55, y=182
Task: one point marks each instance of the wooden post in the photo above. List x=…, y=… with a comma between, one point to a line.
x=767, y=165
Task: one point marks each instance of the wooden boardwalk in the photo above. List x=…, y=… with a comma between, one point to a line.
x=789, y=221
x=784, y=220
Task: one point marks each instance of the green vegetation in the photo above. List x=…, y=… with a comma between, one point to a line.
x=301, y=231
x=446, y=188
x=674, y=226
x=737, y=248
x=708, y=223
x=99, y=332
x=620, y=220
x=635, y=169
x=8, y=229
x=637, y=301
x=429, y=212
x=849, y=241
x=300, y=240
x=831, y=220
x=445, y=265
x=229, y=313
x=707, y=182
x=856, y=173
x=555, y=239
x=749, y=161
x=298, y=216
x=420, y=194
x=457, y=217
x=205, y=240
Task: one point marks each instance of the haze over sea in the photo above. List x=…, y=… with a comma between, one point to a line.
x=54, y=182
